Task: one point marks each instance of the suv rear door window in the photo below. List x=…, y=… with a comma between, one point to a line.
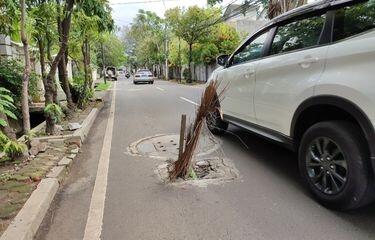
x=299, y=34
x=355, y=19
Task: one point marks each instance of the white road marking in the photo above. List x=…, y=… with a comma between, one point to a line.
x=94, y=222
x=159, y=88
x=134, y=89
x=189, y=101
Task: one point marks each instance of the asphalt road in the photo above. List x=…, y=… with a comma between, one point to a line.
x=267, y=201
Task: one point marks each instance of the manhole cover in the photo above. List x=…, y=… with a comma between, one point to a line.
x=166, y=146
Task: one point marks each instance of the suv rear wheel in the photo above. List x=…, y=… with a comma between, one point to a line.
x=215, y=124
x=333, y=162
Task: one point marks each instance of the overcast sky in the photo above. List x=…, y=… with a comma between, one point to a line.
x=124, y=13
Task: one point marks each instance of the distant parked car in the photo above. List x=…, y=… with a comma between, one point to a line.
x=143, y=75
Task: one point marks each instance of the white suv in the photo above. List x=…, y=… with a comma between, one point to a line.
x=307, y=80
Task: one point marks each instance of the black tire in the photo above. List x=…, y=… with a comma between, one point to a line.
x=215, y=124
x=152, y=82
x=134, y=82
x=336, y=151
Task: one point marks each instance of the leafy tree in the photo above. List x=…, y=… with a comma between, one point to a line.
x=144, y=41
x=274, y=7
x=43, y=32
x=68, y=6
x=93, y=17
x=113, y=50
x=9, y=12
x=192, y=25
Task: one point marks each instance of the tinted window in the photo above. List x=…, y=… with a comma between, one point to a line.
x=354, y=19
x=251, y=50
x=298, y=34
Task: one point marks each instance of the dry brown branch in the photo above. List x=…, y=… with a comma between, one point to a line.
x=209, y=103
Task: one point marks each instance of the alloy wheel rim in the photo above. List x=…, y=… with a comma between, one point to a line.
x=327, y=166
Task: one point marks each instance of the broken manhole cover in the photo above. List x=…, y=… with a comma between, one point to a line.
x=166, y=146
x=210, y=165
x=213, y=170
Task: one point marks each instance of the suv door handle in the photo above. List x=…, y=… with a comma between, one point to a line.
x=305, y=63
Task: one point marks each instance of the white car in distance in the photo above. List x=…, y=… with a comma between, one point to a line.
x=143, y=76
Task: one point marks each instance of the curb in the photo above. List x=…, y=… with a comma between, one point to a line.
x=26, y=224
x=86, y=125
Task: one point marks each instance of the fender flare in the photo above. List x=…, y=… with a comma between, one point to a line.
x=345, y=105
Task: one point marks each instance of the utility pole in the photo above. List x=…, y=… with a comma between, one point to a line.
x=166, y=48
x=105, y=80
x=166, y=54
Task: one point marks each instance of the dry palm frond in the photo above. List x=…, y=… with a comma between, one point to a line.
x=209, y=103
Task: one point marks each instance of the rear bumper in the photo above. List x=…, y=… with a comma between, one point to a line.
x=143, y=80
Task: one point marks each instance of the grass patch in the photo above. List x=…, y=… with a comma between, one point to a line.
x=103, y=86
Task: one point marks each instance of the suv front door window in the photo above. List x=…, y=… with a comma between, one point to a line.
x=250, y=51
x=240, y=79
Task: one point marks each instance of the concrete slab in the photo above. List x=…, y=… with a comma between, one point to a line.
x=57, y=172
x=65, y=162
x=27, y=221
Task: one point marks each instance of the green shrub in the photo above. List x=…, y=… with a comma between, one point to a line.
x=6, y=106
x=79, y=88
x=54, y=111
x=11, y=148
x=14, y=149
x=11, y=75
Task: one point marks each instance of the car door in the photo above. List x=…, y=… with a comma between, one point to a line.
x=239, y=79
x=288, y=75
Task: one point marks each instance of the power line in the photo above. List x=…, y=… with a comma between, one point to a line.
x=142, y=1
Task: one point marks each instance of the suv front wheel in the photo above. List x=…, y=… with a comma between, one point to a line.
x=333, y=162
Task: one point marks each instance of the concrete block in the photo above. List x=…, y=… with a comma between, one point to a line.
x=65, y=162
x=57, y=172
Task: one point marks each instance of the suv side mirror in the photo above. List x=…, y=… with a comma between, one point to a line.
x=222, y=60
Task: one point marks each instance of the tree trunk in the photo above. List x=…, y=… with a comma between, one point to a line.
x=26, y=74
x=84, y=49
x=62, y=69
x=64, y=81
x=50, y=93
x=42, y=60
x=189, y=80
